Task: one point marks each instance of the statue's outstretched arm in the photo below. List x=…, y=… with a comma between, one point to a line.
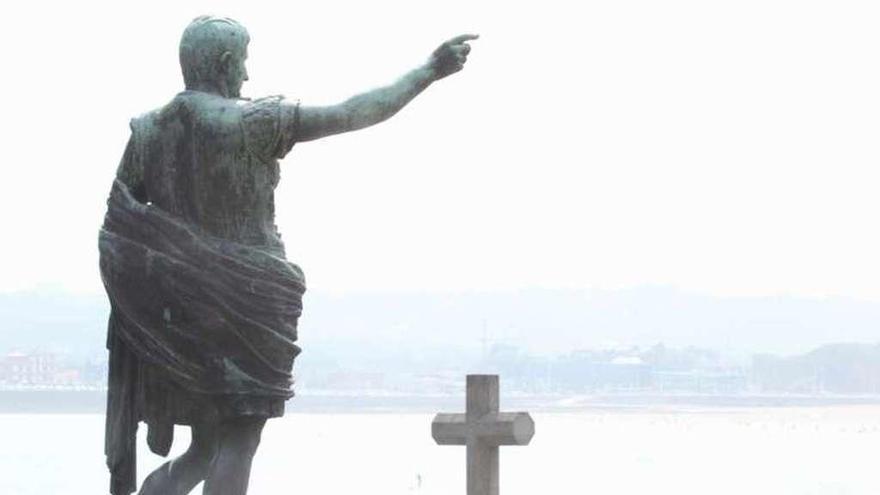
x=374, y=106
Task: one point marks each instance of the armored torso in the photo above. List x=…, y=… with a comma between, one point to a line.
x=212, y=161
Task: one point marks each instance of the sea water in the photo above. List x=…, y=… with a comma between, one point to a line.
x=803, y=451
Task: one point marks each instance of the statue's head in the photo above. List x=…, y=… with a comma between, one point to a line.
x=212, y=55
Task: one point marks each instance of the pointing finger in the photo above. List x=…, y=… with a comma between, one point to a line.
x=462, y=38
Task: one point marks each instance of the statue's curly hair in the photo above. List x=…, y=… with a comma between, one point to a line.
x=204, y=40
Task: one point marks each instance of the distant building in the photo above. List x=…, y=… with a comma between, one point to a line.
x=719, y=381
x=21, y=368
x=35, y=369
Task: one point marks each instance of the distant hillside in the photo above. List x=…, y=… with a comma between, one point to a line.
x=558, y=321
x=538, y=321
x=52, y=321
x=835, y=368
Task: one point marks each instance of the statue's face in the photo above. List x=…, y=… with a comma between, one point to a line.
x=235, y=71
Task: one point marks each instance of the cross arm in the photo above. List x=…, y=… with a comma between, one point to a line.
x=449, y=429
x=516, y=428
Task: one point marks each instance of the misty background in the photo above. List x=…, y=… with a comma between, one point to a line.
x=656, y=220
x=650, y=340
x=673, y=187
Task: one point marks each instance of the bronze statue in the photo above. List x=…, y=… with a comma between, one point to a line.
x=204, y=305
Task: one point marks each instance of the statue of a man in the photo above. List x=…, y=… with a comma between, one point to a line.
x=204, y=305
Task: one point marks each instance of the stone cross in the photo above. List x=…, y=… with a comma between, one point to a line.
x=482, y=428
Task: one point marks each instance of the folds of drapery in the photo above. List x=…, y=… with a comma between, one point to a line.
x=214, y=316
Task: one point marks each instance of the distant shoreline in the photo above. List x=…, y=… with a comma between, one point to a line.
x=93, y=401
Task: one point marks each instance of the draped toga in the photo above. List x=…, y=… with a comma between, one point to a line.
x=204, y=305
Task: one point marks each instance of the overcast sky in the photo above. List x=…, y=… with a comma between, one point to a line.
x=726, y=147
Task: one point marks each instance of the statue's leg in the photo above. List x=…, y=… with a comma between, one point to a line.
x=231, y=470
x=179, y=476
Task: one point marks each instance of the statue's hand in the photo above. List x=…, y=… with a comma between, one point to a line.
x=450, y=57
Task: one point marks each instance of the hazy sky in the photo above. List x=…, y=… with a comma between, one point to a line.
x=729, y=147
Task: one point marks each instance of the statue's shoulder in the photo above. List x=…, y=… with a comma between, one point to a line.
x=143, y=129
x=162, y=123
x=265, y=125
x=269, y=126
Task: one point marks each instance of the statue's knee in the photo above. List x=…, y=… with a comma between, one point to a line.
x=202, y=465
x=205, y=442
x=246, y=435
x=250, y=440
x=203, y=454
